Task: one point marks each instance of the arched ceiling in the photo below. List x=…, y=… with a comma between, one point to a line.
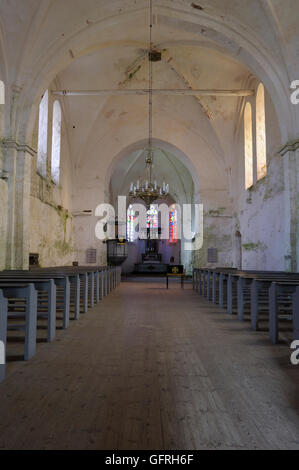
x=127, y=67
x=95, y=44
x=165, y=165
x=41, y=37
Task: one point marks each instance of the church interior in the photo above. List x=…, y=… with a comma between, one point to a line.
x=116, y=333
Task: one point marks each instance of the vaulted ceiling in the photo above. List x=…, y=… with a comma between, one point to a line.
x=95, y=44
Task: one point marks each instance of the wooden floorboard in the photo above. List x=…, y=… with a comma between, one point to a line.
x=150, y=368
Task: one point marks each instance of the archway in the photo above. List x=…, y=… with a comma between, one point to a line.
x=129, y=166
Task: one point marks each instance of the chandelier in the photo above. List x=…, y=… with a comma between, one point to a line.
x=146, y=188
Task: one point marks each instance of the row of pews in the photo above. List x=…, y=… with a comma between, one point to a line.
x=268, y=296
x=49, y=294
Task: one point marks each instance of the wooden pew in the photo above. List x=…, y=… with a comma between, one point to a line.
x=41, y=285
x=93, y=283
x=262, y=291
x=19, y=298
x=265, y=291
x=240, y=290
x=259, y=284
x=27, y=293
x=295, y=308
x=210, y=283
x=96, y=282
x=3, y=330
x=281, y=293
x=42, y=280
x=80, y=286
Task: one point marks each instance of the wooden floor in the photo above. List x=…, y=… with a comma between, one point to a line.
x=153, y=369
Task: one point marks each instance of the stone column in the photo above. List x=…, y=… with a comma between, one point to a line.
x=18, y=167
x=10, y=158
x=3, y=221
x=290, y=154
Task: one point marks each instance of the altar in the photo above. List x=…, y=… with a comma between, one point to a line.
x=151, y=259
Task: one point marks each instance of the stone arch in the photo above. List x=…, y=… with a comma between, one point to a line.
x=178, y=153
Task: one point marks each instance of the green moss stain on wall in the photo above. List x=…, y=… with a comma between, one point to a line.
x=55, y=244
x=253, y=246
x=64, y=248
x=211, y=238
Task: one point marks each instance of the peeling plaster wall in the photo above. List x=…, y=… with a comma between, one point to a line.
x=51, y=221
x=217, y=233
x=50, y=234
x=3, y=198
x=3, y=222
x=88, y=196
x=260, y=210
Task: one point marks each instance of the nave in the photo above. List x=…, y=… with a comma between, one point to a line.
x=151, y=368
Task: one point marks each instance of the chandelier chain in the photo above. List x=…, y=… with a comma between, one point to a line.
x=148, y=190
x=151, y=81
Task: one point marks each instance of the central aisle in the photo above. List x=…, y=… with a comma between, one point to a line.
x=153, y=369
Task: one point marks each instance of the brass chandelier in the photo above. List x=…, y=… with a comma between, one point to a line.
x=147, y=188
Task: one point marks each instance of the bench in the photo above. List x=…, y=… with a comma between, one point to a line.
x=3, y=329
x=281, y=297
x=43, y=281
x=26, y=295
x=266, y=292
x=39, y=292
x=41, y=285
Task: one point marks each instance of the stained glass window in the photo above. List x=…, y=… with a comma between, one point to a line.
x=130, y=224
x=153, y=222
x=173, y=226
x=152, y=217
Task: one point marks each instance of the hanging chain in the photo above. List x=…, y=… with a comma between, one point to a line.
x=150, y=80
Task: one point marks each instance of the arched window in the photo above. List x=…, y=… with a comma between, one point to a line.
x=43, y=135
x=173, y=226
x=152, y=217
x=130, y=224
x=248, y=146
x=261, y=154
x=56, y=142
x=2, y=92
x=153, y=221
